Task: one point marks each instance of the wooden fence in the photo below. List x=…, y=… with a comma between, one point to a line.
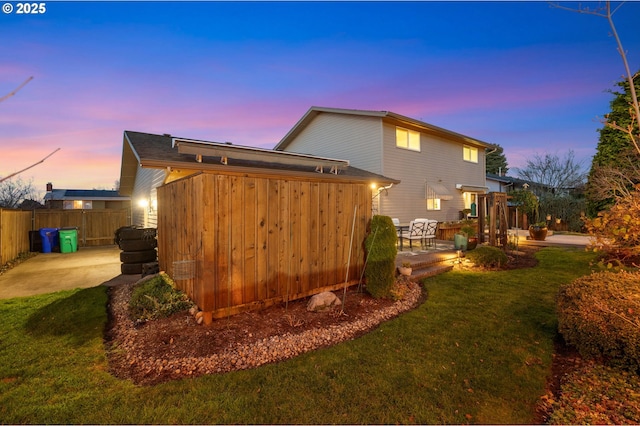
x=14, y=233
x=255, y=241
x=95, y=227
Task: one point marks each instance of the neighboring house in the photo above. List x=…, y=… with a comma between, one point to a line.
x=441, y=171
x=240, y=227
x=85, y=199
x=498, y=183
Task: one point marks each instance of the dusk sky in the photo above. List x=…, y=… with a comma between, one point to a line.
x=524, y=75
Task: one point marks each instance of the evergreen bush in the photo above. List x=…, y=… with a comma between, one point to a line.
x=156, y=298
x=599, y=314
x=487, y=256
x=380, y=246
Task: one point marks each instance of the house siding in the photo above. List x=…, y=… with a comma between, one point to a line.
x=440, y=162
x=369, y=142
x=147, y=180
x=353, y=138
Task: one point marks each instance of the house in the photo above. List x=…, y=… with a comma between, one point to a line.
x=441, y=171
x=84, y=199
x=240, y=228
x=501, y=183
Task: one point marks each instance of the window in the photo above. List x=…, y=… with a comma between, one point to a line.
x=470, y=154
x=433, y=199
x=433, y=203
x=407, y=139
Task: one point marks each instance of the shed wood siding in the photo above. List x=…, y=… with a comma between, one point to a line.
x=343, y=136
x=257, y=240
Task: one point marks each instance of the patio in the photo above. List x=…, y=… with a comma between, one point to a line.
x=441, y=256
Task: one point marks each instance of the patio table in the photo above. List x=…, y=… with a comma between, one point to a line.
x=401, y=228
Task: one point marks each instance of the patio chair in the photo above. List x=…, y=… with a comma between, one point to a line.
x=396, y=223
x=431, y=227
x=415, y=232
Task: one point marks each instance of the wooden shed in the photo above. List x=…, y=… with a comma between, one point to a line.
x=241, y=228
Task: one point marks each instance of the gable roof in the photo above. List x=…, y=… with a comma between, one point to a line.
x=148, y=150
x=388, y=116
x=85, y=194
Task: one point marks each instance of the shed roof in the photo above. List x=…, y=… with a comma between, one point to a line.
x=163, y=152
x=389, y=116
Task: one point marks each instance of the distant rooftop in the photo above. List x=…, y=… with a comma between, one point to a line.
x=85, y=194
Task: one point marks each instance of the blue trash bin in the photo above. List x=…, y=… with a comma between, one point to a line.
x=49, y=239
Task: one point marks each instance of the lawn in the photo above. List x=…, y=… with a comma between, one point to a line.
x=477, y=351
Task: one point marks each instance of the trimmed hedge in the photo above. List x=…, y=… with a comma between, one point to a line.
x=599, y=314
x=381, y=256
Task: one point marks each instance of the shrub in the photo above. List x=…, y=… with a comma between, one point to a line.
x=156, y=298
x=617, y=231
x=596, y=394
x=487, y=256
x=381, y=256
x=600, y=315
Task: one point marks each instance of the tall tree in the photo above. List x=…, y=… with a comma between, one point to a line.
x=550, y=173
x=496, y=161
x=615, y=167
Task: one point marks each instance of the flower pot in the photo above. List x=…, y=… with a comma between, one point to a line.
x=538, y=233
x=405, y=271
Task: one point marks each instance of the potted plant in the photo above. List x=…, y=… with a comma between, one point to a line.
x=469, y=232
x=467, y=237
x=538, y=231
x=405, y=268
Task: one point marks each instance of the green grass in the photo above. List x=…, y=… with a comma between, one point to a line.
x=477, y=351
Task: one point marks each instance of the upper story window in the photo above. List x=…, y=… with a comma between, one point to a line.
x=407, y=139
x=470, y=153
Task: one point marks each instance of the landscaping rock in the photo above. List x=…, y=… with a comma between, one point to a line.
x=322, y=302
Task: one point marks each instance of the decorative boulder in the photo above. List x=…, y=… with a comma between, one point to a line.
x=323, y=301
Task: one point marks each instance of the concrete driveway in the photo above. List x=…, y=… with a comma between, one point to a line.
x=49, y=272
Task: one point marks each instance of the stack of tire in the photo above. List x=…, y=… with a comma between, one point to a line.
x=138, y=247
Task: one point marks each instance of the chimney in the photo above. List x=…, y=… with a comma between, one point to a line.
x=49, y=187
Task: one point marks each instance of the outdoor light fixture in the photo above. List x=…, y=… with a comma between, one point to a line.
x=151, y=206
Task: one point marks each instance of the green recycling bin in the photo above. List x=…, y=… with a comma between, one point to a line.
x=68, y=240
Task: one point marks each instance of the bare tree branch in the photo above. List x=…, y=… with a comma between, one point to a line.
x=607, y=13
x=27, y=168
x=7, y=96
